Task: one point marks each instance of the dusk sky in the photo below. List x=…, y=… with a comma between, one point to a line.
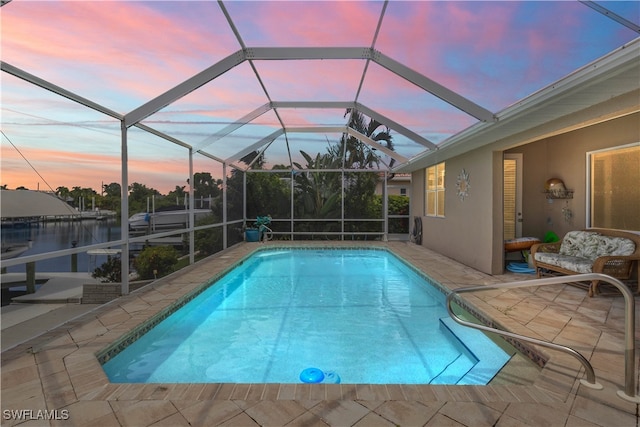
x=122, y=54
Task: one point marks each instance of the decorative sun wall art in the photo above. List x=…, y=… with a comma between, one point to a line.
x=463, y=185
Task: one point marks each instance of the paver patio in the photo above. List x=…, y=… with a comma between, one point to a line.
x=58, y=375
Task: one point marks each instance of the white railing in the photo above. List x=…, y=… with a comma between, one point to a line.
x=629, y=392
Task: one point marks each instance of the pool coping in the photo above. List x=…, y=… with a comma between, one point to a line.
x=68, y=370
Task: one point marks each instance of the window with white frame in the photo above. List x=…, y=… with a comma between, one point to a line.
x=614, y=192
x=434, y=187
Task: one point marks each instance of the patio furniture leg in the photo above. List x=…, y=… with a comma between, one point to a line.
x=593, y=288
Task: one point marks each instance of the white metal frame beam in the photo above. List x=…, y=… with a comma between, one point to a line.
x=396, y=126
x=349, y=130
x=210, y=74
x=318, y=129
x=363, y=109
x=266, y=140
x=184, y=88
x=310, y=53
x=233, y=126
x=313, y=104
x=611, y=15
x=433, y=88
x=307, y=53
x=376, y=145
x=162, y=135
x=28, y=77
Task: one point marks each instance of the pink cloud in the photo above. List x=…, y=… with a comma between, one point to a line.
x=63, y=168
x=293, y=117
x=57, y=168
x=486, y=51
x=126, y=48
x=425, y=35
x=235, y=90
x=306, y=23
x=311, y=80
x=123, y=54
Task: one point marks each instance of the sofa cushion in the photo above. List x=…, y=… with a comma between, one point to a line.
x=568, y=262
x=615, y=246
x=581, y=244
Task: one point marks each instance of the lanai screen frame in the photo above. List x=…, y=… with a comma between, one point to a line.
x=250, y=54
x=126, y=241
x=135, y=117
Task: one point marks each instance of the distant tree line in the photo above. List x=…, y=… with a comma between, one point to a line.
x=317, y=192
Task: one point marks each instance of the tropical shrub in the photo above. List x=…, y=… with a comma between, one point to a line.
x=209, y=241
x=155, y=261
x=110, y=271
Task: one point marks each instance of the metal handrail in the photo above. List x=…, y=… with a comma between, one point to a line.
x=629, y=393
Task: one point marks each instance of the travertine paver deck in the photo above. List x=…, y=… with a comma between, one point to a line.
x=58, y=372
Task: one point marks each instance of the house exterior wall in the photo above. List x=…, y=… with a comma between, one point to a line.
x=471, y=231
x=465, y=233
x=564, y=157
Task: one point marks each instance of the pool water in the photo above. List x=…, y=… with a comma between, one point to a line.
x=350, y=316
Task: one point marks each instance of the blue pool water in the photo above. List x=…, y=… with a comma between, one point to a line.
x=350, y=316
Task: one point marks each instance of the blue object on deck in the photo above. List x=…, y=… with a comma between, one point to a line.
x=252, y=235
x=520, y=267
x=263, y=220
x=311, y=375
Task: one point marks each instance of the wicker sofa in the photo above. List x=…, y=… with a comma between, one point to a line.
x=610, y=252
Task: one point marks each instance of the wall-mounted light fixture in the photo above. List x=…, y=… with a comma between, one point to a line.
x=554, y=188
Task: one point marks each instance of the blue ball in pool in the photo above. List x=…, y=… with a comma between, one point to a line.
x=311, y=375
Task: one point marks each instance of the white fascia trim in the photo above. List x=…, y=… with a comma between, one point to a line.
x=627, y=55
x=622, y=58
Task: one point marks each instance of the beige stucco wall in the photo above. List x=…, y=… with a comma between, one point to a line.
x=471, y=231
x=465, y=233
x=565, y=157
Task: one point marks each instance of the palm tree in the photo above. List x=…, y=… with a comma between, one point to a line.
x=360, y=187
x=64, y=193
x=318, y=192
x=359, y=155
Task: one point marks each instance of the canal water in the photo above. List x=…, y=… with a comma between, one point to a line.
x=59, y=235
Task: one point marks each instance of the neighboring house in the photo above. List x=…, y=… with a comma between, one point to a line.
x=398, y=185
x=569, y=131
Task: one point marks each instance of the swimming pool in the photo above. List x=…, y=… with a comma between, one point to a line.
x=310, y=315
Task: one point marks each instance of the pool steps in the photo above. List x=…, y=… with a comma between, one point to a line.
x=489, y=359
